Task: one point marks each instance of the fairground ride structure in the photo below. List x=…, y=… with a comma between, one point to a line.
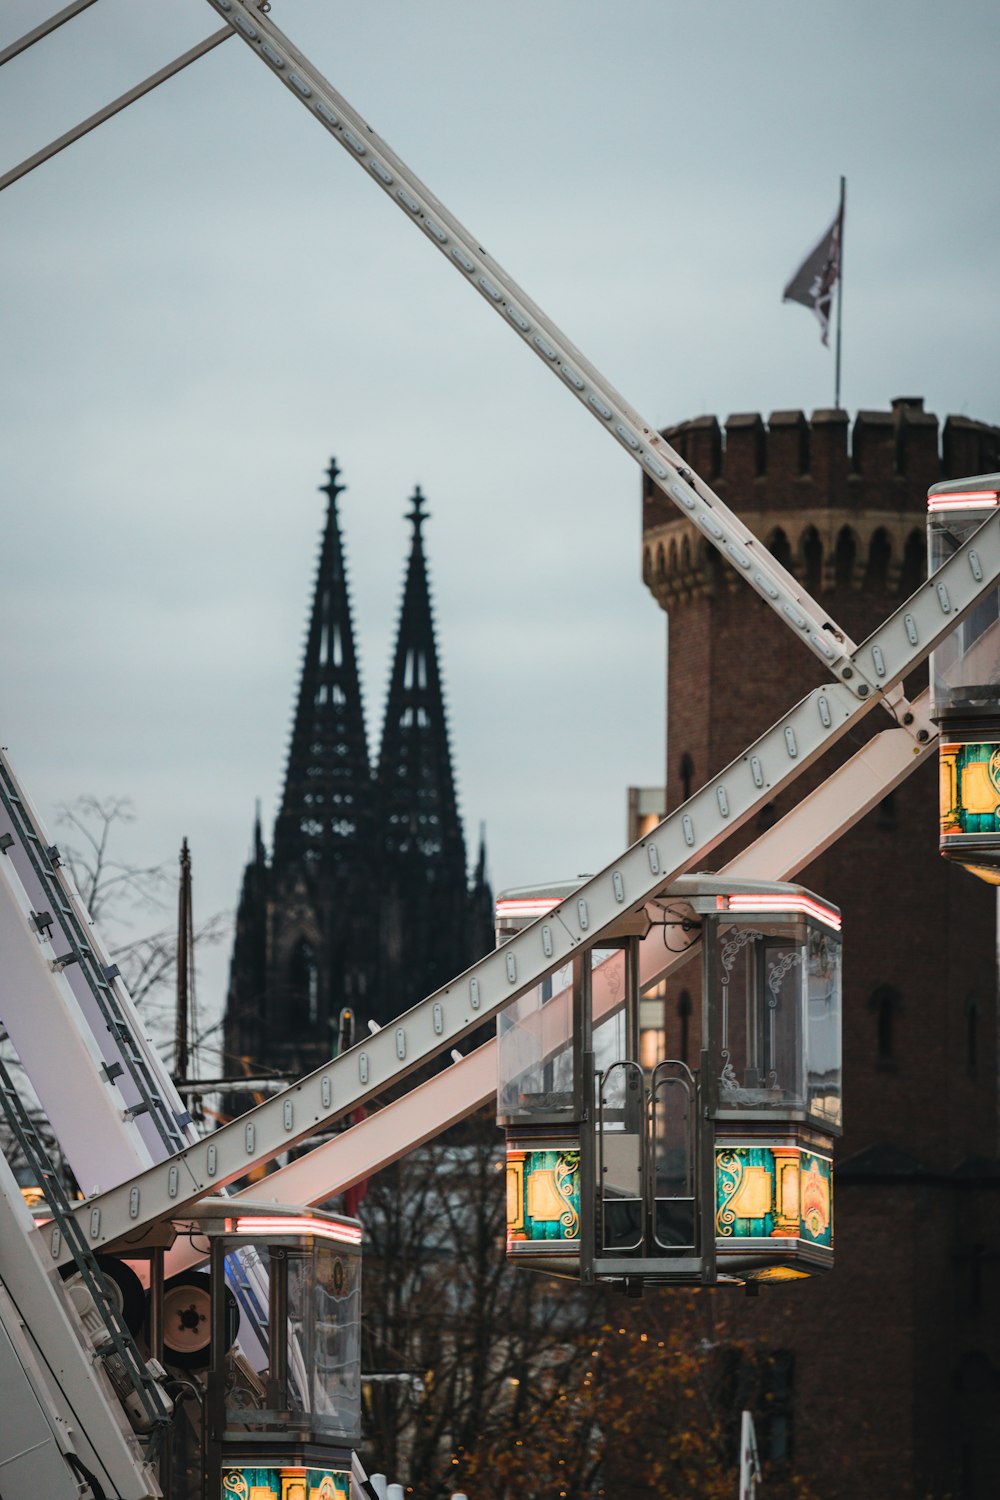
x=89, y=1408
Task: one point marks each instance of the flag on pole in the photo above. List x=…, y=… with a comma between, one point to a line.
x=819, y=273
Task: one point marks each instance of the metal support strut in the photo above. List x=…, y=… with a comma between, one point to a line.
x=69, y=1229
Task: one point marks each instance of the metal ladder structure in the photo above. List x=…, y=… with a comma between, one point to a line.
x=116, y=1339
x=58, y=912
x=63, y=1433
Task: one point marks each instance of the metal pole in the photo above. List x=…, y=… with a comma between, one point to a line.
x=45, y=29
x=116, y=105
x=183, y=968
x=155, y=1333
x=840, y=288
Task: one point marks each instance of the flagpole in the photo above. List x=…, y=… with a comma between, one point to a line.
x=840, y=293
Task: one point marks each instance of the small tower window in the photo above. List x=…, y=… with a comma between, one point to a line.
x=768, y=816
x=303, y=985
x=846, y=556
x=914, y=564
x=885, y=1002
x=812, y=556
x=415, y=669
x=887, y=811
x=684, y=1017
x=879, y=554
x=971, y=1032
x=686, y=775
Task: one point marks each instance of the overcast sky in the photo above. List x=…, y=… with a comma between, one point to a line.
x=206, y=299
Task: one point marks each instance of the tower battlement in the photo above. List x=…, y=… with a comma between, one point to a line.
x=836, y=503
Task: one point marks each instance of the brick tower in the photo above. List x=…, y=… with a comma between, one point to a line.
x=892, y=1379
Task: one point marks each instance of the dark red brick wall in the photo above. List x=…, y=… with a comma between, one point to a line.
x=897, y=1374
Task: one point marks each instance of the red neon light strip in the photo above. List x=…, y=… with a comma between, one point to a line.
x=964, y=500
x=775, y=903
x=345, y=1233
x=532, y=907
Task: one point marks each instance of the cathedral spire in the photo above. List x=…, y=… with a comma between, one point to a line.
x=423, y=901
x=419, y=817
x=326, y=809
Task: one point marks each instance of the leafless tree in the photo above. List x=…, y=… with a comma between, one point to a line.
x=454, y=1338
x=117, y=894
x=120, y=896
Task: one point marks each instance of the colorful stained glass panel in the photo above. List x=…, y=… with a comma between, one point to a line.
x=773, y=1192
x=543, y=1196
x=285, y=1484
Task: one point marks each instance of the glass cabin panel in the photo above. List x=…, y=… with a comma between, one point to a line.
x=535, y=1052
x=252, y=1404
x=620, y=1122
x=672, y=1105
x=757, y=985
x=965, y=667
x=301, y=1354
x=610, y=1041
x=312, y=1386
x=333, y=1301
x=823, y=990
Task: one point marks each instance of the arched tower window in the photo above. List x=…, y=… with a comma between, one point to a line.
x=879, y=553
x=767, y=816
x=684, y=1017
x=812, y=558
x=777, y=545
x=914, y=569
x=846, y=556
x=303, y=985
x=971, y=1032
x=885, y=1002
x=887, y=817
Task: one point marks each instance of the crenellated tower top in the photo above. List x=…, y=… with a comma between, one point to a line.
x=831, y=501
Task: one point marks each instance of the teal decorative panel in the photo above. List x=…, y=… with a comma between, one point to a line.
x=543, y=1197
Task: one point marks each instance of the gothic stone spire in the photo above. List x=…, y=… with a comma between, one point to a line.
x=326, y=809
x=424, y=900
x=420, y=824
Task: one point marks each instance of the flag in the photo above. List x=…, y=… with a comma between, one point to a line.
x=819, y=273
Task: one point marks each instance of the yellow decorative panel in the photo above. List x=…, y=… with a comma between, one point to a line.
x=752, y=1199
x=544, y=1202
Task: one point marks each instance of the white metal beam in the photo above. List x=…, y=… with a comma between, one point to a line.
x=85, y=1107
x=677, y=845
x=107, y=111
x=50, y=1343
x=106, y=1090
x=14, y=49
x=720, y=526
x=401, y=1126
